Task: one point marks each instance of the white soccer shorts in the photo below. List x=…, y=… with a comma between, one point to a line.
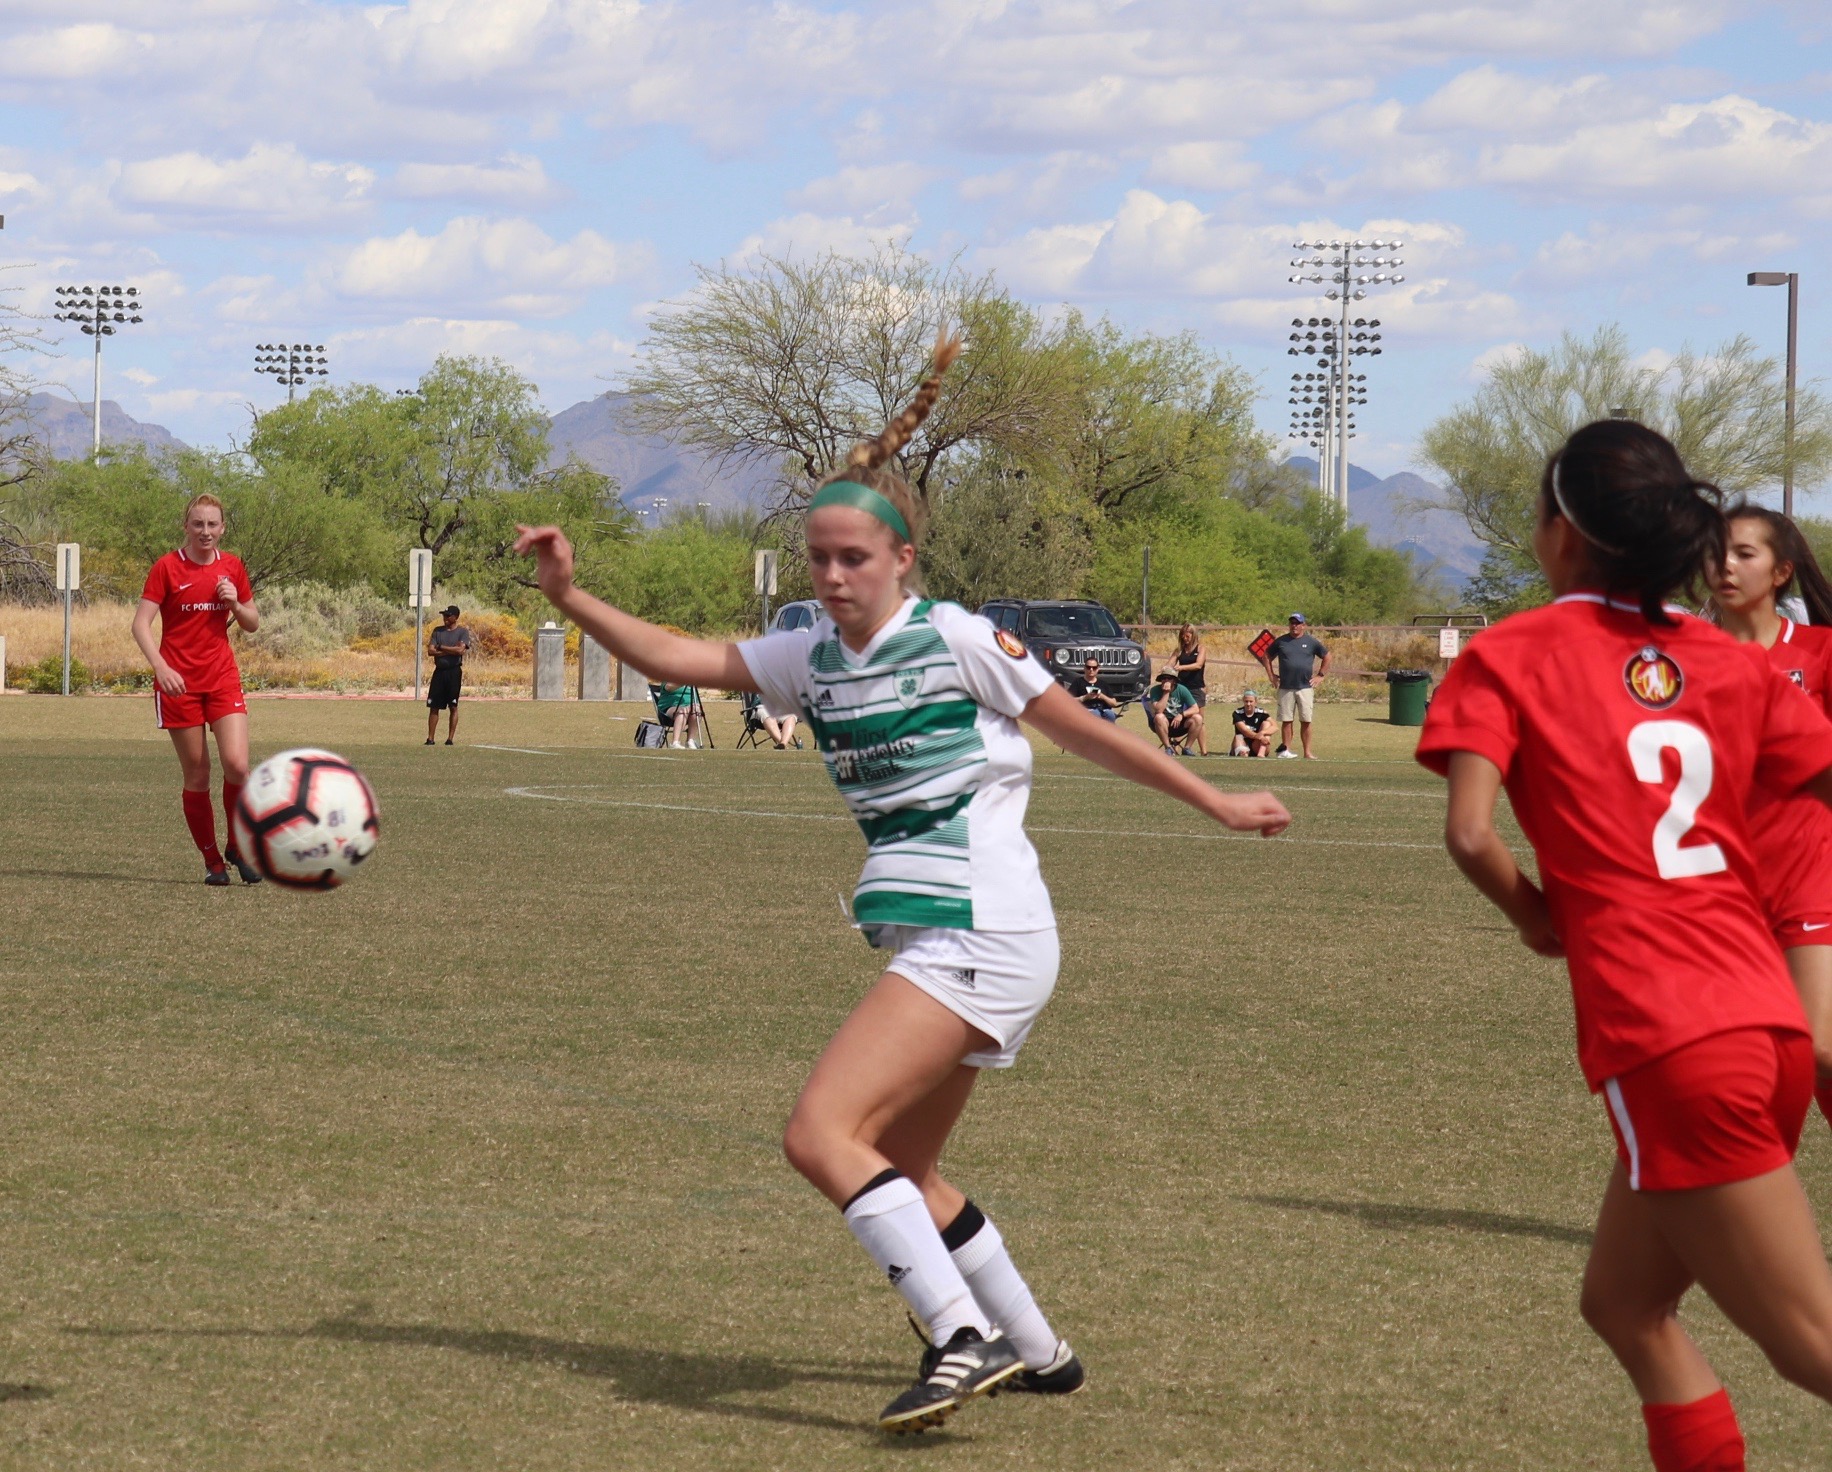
x=998, y=980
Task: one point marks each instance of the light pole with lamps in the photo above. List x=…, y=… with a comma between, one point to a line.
x=1791, y=280
x=292, y=364
x=99, y=311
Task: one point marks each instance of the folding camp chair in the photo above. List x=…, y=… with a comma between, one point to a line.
x=665, y=713
x=754, y=732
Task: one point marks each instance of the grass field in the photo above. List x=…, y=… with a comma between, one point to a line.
x=473, y=1165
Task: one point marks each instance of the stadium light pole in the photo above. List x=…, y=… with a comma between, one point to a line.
x=1337, y=265
x=292, y=363
x=1791, y=280
x=100, y=311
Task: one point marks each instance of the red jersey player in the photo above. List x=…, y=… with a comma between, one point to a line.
x=1687, y=1020
x=195, y=592
x=1765, y=559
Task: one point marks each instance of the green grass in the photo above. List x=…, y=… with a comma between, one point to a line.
x=473, y=1164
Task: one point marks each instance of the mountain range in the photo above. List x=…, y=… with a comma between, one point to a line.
x=655, y=476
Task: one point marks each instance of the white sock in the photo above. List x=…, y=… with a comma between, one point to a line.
x=1000, y=1291
x=892, y=1223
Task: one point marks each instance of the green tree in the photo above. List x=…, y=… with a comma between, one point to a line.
x=690, y=573
x=998, y=531
x=1723, y=411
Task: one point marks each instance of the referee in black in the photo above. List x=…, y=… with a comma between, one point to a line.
x=448, y=645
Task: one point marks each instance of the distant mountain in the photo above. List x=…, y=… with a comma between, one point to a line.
x=649, y=468
x=1440, y=541
x=65, y=427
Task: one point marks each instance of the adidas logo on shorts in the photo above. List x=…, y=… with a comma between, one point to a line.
x=964, y=976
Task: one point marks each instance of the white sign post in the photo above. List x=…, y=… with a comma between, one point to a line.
x=766, y=582
x=1450, y=643
x=69, y=579
x=420, y=594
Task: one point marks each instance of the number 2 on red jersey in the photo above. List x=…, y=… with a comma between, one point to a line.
x=1646, y=742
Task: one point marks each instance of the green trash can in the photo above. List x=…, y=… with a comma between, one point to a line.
x=1407, y=691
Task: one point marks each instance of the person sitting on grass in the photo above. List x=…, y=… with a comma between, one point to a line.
x=1174, y=715
x=1251, y=738
x=1088, y=691
x=677, y=708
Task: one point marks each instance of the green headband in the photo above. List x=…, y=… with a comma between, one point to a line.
x=861, y=498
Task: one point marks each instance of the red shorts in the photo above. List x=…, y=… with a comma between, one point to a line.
x=1723, y=1109
x=196, y=707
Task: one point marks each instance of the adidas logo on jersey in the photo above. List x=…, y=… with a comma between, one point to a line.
x=825, y=698
x=896, y=1274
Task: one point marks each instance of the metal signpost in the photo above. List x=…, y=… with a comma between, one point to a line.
x=69, y=579
x=420, y=593
x=1791, y=280
x=1145, y=586
x=766, y=583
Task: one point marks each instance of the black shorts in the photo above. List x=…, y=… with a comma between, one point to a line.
x=443, y=692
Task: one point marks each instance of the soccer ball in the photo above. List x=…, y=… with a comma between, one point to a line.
x=306, y=819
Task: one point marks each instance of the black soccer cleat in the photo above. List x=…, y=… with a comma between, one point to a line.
x=217, y=878
x=1063, y=1375
x=250, y=874
x=951, y=1374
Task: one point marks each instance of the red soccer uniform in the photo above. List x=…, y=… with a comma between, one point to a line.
x=1793, y=835
x=1629, y=750
x=193, y=621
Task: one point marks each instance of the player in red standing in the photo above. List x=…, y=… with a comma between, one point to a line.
x=1767, y=559
x=1687, y=1020
x=195, y=592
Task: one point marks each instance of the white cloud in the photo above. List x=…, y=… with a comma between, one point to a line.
x=567, y=366
x=1489, y=100
x=510, y=266
x=805, y=235
x=140, y=376
x=1209, y=166
x=876, y=191
x=514, y=179
x=269, y=186
x=73, y=53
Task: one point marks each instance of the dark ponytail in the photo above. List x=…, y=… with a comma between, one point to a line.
x=1790, y=545
x=1653, y=530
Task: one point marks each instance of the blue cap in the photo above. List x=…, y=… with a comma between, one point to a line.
x=1296, y=618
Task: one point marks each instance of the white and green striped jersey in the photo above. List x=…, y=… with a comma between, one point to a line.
x=918, y=733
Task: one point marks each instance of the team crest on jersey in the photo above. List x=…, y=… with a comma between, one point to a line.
x=1010, y=643
x=909, y=688
x=1799, y=677
x=1653, y=678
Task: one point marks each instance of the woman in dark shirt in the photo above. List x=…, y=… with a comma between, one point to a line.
x=1189, y=662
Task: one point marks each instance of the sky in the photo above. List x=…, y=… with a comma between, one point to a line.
x=531, y=179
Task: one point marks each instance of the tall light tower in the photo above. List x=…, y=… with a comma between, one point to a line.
x=1337, y=265
x=100, y=311
x=292, y=364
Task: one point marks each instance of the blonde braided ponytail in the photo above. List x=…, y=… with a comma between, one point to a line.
x=871, y=454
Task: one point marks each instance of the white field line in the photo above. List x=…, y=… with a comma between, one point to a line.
x=678, y=807
x=524, y=750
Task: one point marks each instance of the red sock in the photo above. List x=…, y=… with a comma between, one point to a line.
x=200, y=818
x=1700, y=1436
x=231, y=791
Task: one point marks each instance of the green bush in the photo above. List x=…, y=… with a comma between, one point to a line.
x=47, y=676
x=305, y=619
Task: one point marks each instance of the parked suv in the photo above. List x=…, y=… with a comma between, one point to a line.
x=1062, y=632
x=804, y=613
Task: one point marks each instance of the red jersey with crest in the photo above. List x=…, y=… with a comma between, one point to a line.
x=1629, y=751
x=193, y=621
x=1793, y=835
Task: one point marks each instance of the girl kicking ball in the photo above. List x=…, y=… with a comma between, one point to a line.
x=195, y=592
x=1765, y=559
x=1687, y=1021
x=914, y=706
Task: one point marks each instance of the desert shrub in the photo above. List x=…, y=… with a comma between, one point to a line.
x=313, y=618
x=47, y=676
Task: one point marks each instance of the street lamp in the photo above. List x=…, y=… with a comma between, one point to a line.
x=291, y=363
x=100, y=311
x=1339, y=265
x=1791, y=280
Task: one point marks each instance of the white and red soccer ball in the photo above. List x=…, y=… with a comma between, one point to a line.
x=306, y=819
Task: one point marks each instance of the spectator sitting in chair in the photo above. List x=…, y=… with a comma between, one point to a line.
x=675, y=709
x=1251, y=738
x=1088, y=691
x=1174, y=715
x=781, y=730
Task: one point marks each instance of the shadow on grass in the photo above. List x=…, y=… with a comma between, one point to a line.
x=691, y=1382
x=1404, y=1218
x=90, y=877
x=16, y=1391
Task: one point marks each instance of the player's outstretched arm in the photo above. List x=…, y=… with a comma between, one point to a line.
x=664, y=657
x=1061, y=718
x=1476, y=848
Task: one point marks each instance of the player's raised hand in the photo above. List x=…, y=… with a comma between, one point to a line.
x=1250, y=812
x=553, y=556
x=225, y=590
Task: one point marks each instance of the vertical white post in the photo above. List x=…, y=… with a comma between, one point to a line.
x=420, y=584
x=96, y=406
x=1145, y=586
x=69, y=578
x=1342, y=385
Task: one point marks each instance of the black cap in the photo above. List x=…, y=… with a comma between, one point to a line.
x=451, y=612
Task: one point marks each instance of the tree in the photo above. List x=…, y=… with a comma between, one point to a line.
x=997, y=531
x=1723, y=411
x=792, y=363
x=25, y=576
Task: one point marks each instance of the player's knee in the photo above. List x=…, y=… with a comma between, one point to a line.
x=1614, y=1321
x=1822, y=1061
x=235, y=772
x=804, y=1143
x=1806, y=1359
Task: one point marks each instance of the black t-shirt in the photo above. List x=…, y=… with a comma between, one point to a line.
x=1255, y=719
x=449, y=646
x=1190, y=679
x=1081, y=687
